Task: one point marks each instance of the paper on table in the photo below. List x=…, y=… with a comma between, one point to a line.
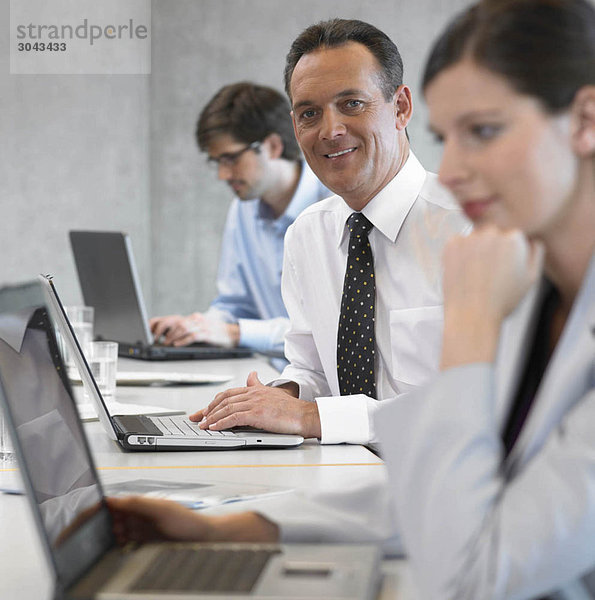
x=87, y=410
x=193, y=495
x=163, y=378
x=168, y=377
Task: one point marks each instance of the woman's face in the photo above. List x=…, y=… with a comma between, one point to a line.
x=507, y=161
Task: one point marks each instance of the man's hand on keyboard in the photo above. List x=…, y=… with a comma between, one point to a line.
x=256, y=405
x=138, y=519
x=178, y=330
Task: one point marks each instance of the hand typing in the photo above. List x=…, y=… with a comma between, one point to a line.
x=178, y=330
x=256, y=405
x=138, y=519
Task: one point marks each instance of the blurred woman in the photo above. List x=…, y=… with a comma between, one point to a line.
x=492, y=467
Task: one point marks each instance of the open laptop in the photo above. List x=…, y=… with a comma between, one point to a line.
x=75, y=525
x=109, y=282
x=143, y=432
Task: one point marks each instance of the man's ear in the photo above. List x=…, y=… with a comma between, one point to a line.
x=403, y=106
x=583, y=122
x=275, y=146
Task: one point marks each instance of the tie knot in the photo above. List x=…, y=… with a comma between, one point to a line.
x=358, y=224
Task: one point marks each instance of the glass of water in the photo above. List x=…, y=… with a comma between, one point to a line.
x=81, y=320
x=103, y=362
x=6, y=449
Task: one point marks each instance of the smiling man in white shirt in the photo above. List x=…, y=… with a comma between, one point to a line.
x=350, y=110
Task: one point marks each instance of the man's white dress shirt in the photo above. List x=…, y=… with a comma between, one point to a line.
x=413, y=216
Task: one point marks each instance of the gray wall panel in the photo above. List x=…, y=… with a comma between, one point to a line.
x=118, y=152
x=74, y=154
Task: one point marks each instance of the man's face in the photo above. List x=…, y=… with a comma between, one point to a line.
x=353, y=139
x=245, y=172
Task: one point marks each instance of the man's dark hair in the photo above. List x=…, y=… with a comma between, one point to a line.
x=337, y=32
x=249, y=113
x=544, y=48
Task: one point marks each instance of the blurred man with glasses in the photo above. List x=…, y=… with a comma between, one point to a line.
x=247, y=133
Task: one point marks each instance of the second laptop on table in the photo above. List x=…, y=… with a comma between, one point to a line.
x=109, y=282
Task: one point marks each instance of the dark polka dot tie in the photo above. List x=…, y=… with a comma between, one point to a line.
x=355, y=341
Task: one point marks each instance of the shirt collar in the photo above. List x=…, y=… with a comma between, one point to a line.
x=389, y=208
x=13, y=327
x=306, y=190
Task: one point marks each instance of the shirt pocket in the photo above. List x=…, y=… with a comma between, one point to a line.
x=416, y=341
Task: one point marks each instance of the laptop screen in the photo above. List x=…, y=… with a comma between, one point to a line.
x=110, y=283
x=55, y=462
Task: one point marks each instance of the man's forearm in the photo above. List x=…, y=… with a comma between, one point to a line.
x=242, y=527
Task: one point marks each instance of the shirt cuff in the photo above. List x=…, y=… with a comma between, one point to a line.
x=282, y=380
x=263, y=335
x=344, y=419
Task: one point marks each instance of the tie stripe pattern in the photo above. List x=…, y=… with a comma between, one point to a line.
x=355, y=339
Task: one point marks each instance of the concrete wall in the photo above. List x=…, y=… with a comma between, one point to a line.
x=74, y=153
x=118, y=152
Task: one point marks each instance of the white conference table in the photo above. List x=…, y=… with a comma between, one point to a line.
x=24, y=573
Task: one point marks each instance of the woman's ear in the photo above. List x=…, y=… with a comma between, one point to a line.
x=583, y=121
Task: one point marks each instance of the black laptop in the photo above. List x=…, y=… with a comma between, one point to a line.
x=109, y=282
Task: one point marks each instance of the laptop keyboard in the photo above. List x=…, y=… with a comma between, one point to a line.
x=183, y=426
x=204, y=570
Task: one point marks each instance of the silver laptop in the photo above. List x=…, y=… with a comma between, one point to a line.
x=109, y=282
x=74, y=523
x=143, y=432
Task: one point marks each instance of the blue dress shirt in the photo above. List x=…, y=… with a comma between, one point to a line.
x=249, y=276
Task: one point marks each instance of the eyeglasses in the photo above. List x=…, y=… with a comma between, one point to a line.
x=229, y=159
